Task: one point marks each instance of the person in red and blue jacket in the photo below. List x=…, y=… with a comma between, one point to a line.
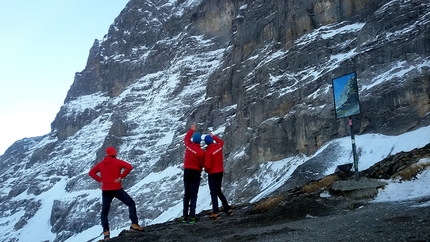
x=193, y=162
x=214, y=166
x=112, y=171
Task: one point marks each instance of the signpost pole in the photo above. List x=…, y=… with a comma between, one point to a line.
x=354, y=154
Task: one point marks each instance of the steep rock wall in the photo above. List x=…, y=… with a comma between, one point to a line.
x=255, y=30
x=265, y=27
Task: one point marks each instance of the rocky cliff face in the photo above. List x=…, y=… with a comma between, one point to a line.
x=268, y=71
x=257, y=73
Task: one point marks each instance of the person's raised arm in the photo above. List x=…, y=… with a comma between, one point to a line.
x=217, y=139
x=187, y=138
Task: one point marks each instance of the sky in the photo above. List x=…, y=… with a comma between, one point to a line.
x=44, y=44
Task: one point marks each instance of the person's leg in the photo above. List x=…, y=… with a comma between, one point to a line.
x=219, y=192
x=187, y=188
x=127, y=200
x=213, y=189
x=194, y=190
x=106, y=201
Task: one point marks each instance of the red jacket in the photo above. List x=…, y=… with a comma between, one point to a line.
x=214, y=158
x=110, y=170
x=194, y=157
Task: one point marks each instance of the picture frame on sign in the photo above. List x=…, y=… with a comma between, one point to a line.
x=345, y=94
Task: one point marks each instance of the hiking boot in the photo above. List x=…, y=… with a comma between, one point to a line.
x=135, y=228
x=215, y=216
x=193, y=220
x=185, y=219
x=106, y=235
x=229, y=212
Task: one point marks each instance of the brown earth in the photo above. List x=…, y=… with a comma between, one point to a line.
x=302, y=218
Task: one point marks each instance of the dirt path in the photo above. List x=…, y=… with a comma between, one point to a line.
x=305, y=218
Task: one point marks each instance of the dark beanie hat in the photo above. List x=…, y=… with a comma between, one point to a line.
x=208, y=139
x=197, y=138
x=110, y=151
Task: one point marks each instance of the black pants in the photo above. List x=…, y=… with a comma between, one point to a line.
x=215, y=181
x=191, y=185
x=108, y=196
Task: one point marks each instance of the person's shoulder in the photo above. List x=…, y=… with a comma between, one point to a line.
x=119, y=160
x=195, y=147
x=211, y=147
x=218, y=143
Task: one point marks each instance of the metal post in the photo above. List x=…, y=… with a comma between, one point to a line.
x=357, y=177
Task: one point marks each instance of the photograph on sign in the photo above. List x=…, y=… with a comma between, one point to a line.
x=345, y=93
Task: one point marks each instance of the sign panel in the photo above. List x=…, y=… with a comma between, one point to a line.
x=345, y=94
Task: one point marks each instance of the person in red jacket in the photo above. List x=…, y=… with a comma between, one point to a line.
x=193, y=162
x=112, y=171
x=214, y=166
